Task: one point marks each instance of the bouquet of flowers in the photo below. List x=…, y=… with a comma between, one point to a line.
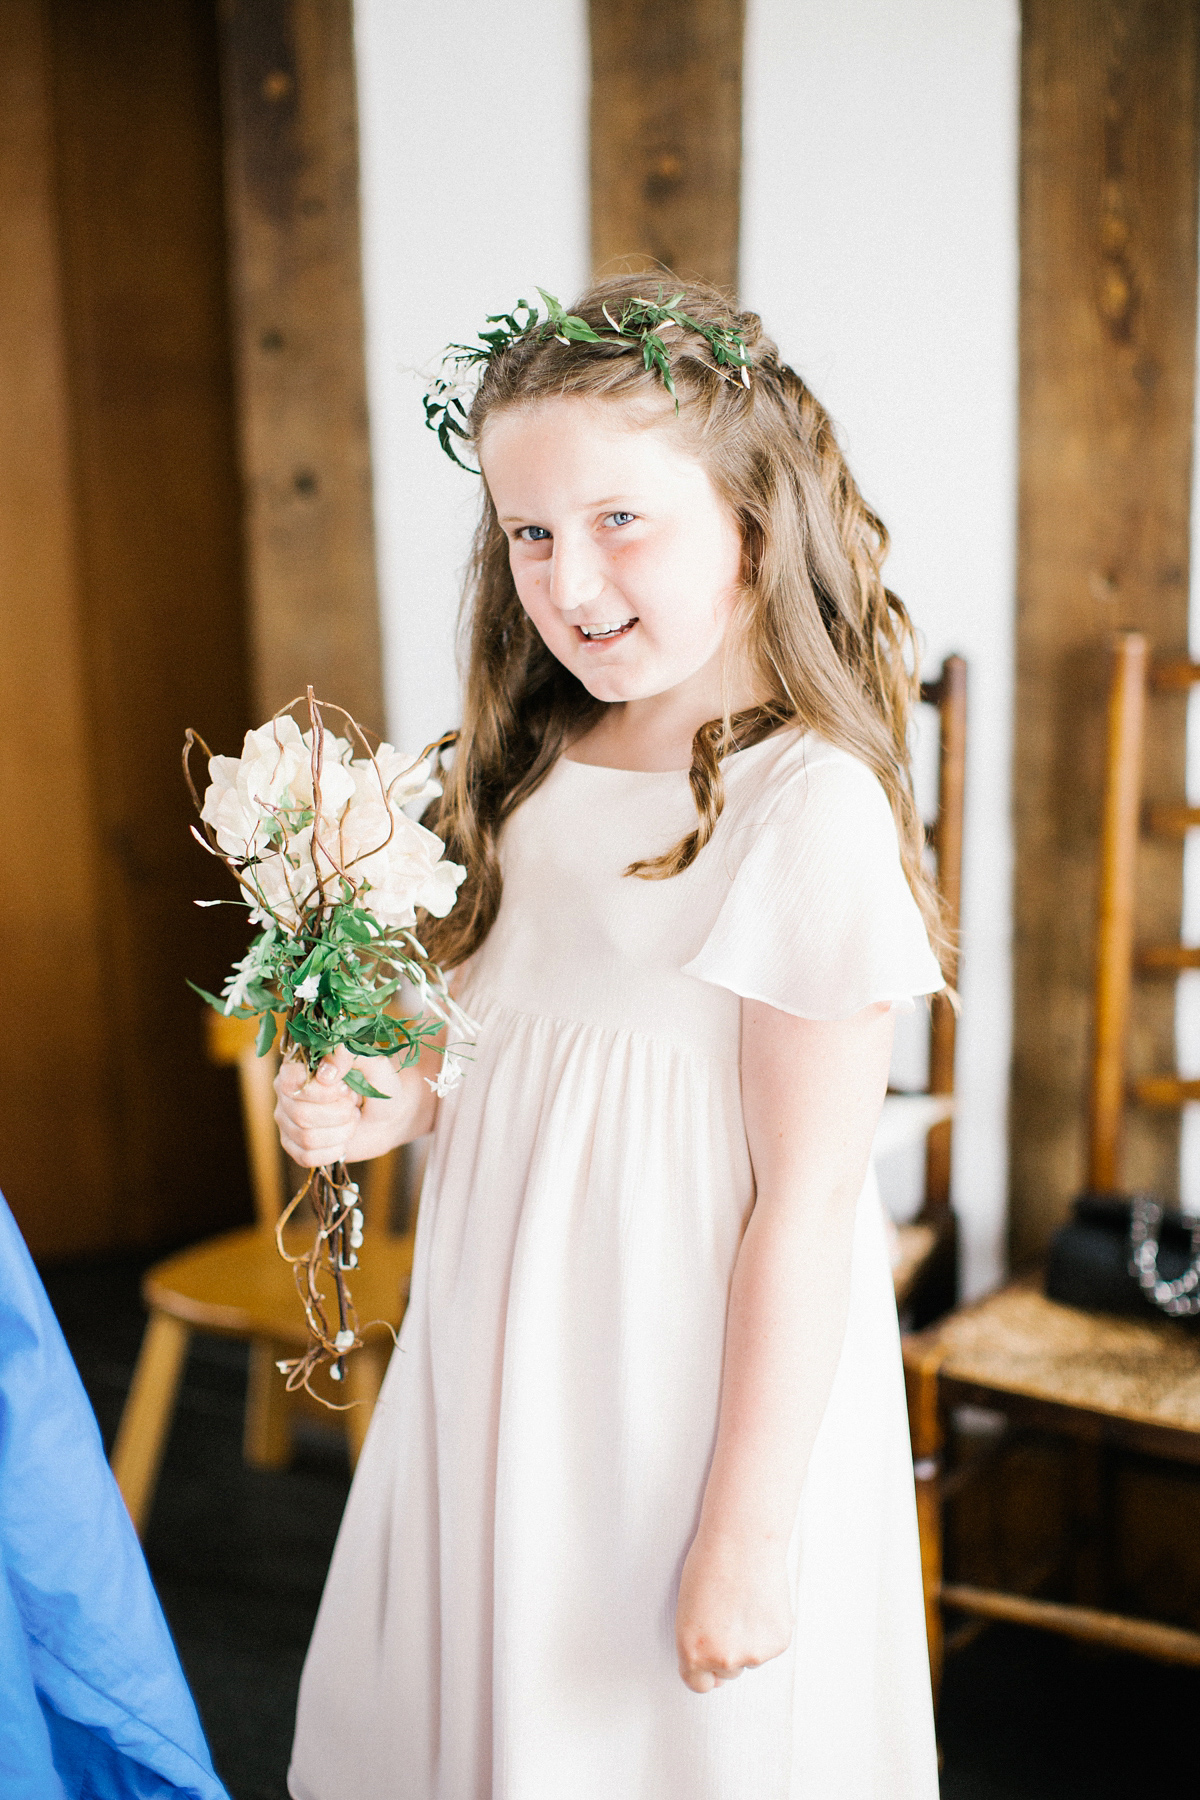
x=312, y=827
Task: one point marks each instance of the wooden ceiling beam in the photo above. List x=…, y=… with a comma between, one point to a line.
x=292, y=194
x=666, y=136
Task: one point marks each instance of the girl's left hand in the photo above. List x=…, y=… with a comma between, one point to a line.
x=734, y=1611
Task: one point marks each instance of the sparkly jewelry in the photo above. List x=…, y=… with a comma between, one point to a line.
x=640, y=324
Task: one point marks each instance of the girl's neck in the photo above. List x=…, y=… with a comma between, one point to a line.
x=655, y=734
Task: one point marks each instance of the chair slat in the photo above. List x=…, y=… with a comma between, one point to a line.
x=948, y=848
x=1153, y=959
x=1086, y=1624
x=1164, y=1091
x=1174, y=675
x=1114, y=925
x=1172, y=821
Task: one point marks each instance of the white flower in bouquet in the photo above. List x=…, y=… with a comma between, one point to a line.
x=397, y=869
x=261, y=807
x=247, y=793
x=448, y=1077
x=406, y=779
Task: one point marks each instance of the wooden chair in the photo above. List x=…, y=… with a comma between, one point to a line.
x=1104, y=1383
x=925, y=1255
x=237, y=1285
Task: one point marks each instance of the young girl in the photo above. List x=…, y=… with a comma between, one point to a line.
x=635, y=1519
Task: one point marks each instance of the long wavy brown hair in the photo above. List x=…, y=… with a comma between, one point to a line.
x=830, y=648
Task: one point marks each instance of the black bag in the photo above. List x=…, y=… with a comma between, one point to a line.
x=1126, y=1255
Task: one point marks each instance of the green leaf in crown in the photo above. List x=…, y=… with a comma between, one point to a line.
x=639, y=325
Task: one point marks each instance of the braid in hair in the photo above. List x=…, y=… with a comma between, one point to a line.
x=713, y=741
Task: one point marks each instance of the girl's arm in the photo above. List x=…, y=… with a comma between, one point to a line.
x=812, y=1091
x=321, y=1120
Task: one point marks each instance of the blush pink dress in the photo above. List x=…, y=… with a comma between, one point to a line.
x=498, y=1623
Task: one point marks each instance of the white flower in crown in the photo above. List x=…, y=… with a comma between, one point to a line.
x=456, y=379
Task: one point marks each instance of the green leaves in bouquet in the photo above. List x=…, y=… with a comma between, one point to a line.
x=354, y=1078
x=336, y=983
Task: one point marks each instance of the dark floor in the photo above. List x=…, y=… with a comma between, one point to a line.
x=239, y=1558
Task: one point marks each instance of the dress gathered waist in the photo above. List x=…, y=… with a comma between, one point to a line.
x=717, y=1040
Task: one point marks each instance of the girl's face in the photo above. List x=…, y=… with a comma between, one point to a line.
x=624, y=556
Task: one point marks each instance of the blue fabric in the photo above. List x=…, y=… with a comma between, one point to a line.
x=93, y=1702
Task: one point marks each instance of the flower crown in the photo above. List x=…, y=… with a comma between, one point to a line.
x=640, y=324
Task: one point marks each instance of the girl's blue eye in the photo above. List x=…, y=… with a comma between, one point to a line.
x=619, y=518
x=533, y=534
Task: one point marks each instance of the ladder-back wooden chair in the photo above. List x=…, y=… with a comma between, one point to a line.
x=926, y=1250
x=238, y=1285
x=1103, y=1382
x=1169, y=821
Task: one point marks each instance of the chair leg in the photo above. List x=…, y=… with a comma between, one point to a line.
x=1091, y=1523
x=146, y=1419
x=364, y=1377
x=928, y=1438
x=266, y=1433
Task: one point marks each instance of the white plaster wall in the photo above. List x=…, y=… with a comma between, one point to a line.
x=879, y=229
x=879, y=234
x=473, y=145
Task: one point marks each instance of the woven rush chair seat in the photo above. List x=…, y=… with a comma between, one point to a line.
x=1115, y=1384
x=1138, y=1378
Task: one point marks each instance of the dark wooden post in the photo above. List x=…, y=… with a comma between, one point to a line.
x=666, y=136
x=158, y=612
x=292, y=186
x=57, y=1147
x=1109, y=157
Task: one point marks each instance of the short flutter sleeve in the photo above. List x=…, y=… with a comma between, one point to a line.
x=819, y=919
